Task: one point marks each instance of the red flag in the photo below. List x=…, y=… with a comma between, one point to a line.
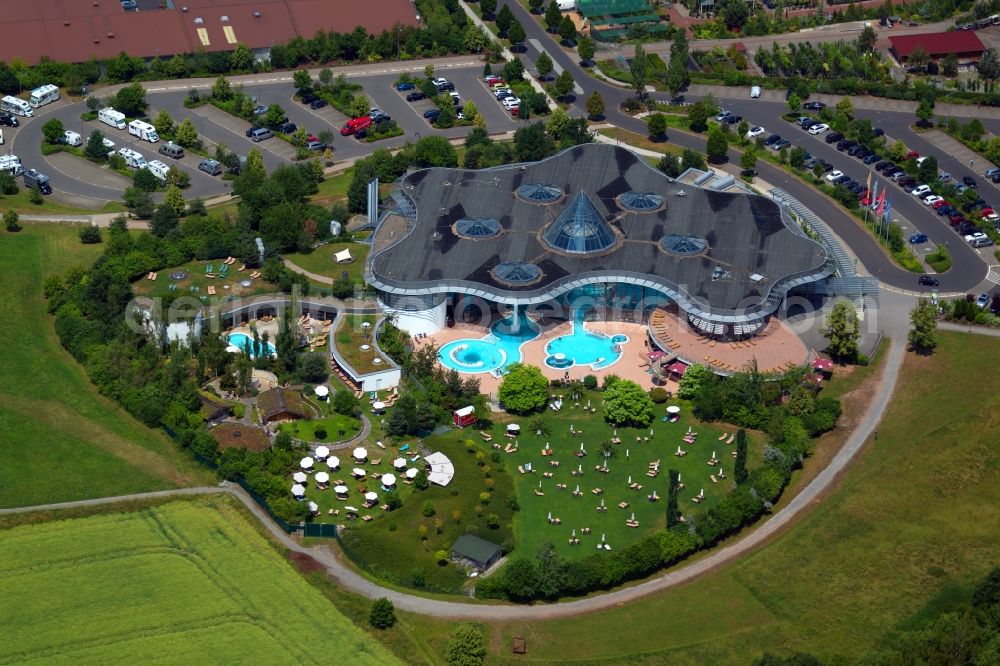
x=881, y=203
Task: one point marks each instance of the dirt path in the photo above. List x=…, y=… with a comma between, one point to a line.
x=354, y=582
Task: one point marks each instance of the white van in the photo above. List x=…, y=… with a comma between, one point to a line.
x=42, y=95
x=144, y=131
x=158, y=169
x=16, y=105
x=72, y=138
x=754, y=92
x=133, y=158
x=111, y=117
x=11, y=164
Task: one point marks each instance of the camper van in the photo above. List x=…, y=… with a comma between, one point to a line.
x=42, y=95
x=33, y=178
x=133, y=158
x=16, y=105
x=71, y=138
x=144, y=131
x=111, y=117
x=11, y=164
x=158, y=169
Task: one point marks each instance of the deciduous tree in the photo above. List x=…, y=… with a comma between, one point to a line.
x=625, y=402
x=842, y=331
x=923, y=326
x=639, y=70
x=467, y=646
x=131, y=100
x=221, y=90
x=717, y=145
x=186, y=134
x=586, y=48
x=382, y=614
x=543, y=65
x=163, y=123
x=595, y=105
x=53, y=131
x=553, y=16
x=567, y=29
x=524, y=389
x=563, y=85
x=516, y=33
x=656, y=125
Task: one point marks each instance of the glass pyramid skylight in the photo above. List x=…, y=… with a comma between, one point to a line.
x=580, y=228
x=539, y=193
x=517, y=272
x=477, y=227
x=640, y=202
x=683, y=245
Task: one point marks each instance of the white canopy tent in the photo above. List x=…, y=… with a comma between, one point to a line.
x=343, y=256
x=442, y=469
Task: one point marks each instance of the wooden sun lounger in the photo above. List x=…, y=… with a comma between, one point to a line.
x=211, y=290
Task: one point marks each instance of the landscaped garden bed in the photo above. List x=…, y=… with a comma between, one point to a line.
x=351, y=339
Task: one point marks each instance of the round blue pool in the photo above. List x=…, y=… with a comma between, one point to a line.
x=241, y=340
x=583, y=347
x=501, y=347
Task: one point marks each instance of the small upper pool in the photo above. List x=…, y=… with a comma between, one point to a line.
x=583, y=347
x=241, y=340
x=500, y=348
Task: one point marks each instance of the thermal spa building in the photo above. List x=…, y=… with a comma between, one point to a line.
x=592, y=229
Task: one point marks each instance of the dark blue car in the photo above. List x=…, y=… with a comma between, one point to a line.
x=432, y=114
x=917, y=239
x=404, y=86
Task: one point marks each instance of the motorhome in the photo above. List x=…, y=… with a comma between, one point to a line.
x=42, y=95
x=133, y=158
x=33, y=178
x=158, y=169
x=144, y=131
x=16, y=105
x=111, y=117
x=11, y=164
x=71, y=138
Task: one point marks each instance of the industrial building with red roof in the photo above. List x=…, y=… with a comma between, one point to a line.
x=78, y=30
x=965, y=44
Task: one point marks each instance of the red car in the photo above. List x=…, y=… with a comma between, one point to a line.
x=938, y=204
x=956, y=219
x=912, y=155
x=355, y=125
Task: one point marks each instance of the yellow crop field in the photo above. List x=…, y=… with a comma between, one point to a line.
x=185, y=582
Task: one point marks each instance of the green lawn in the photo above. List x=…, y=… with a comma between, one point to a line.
x=21, y=202
x=907, y=532
x=185, y=582
x=350, y=336
x=197, y=279
x=61, y=439
x=398, y=544
x=630, y=459
x=320, y=260
x=338, y=427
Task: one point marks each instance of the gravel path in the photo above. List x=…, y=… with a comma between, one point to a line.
x=354, y=582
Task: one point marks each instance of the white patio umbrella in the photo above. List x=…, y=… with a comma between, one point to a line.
x=371, y=497
x=298, y=490
x=399, y=463
x=322, y=477
x=360, y=453
x=630, y=479
x=322, y=452
x=577, y=488
x=579, y=468
x=378, y=406
x=351, y=509
x=358, y=472
x=299, y=477
x=313, y=507
x=388, y=480
x=602, y=501
x=333, y=462
x=550, y=515
x=306, y=463
x=513, y=427
x=340, y=490
x=321, y=391
x=673, y=409
x=633, y=516
x=233, y=349
x=412, y=473
x=713, y=455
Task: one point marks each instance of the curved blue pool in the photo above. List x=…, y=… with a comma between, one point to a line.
x=583, y=347
x=241, y=340
x=498, y=349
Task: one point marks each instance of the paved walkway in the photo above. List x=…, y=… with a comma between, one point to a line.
x=969, y=328
x=349, y=579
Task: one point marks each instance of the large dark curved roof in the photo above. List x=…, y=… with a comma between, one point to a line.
x=748, y=249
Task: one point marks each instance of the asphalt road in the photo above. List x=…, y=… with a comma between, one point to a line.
x=968, y=270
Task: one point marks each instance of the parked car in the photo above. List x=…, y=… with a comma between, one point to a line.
x=774, y=138
x=287, y=128
x=814, y=106
x=929, y=281
x=969, y=181
x=931, y=199
x=732, y=119
x=921, y=190
x=432, y=114
x=992, y=171
x=818, y=129
x=834, y=175
x=260, y=134
x=318, y=103
x=944, y=176
x=259, y=110
x=8, y=119
x=982, y=242
x=404, y=86
x=355, y=125
x=171, y=149
x=845, y=144
x=211, y=167
x=907, y=182
x=308, y=98
x=805, y=121
x=918, y=239
x=754, y=132
x=415, y=96
x=842, y=180
x=870, y=158
x=855, y=150
x=833, y=137
x=781, y=145
x=983, y=300
x=722, y=114
x=315, y=145
x=966, y=228
x=884, y=164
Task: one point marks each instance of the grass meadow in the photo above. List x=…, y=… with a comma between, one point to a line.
x=630, y=459
x=906, y=533
x=62, y=440
x=320, y=261
x=183, y=582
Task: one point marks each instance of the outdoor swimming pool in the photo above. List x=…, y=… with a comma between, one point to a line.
x=501, y=347
x=240, y=341
x=583, y=347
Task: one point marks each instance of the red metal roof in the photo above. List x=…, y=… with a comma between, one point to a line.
x=937, y=43
x=76, y=30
